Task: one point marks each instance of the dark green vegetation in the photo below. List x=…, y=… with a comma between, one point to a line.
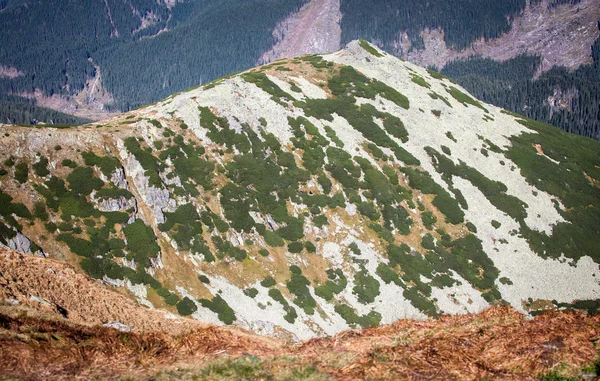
x=510, y=85
x=369, y=48
x=185, y=227
x=494, y=191
x=353, y=319
x=463, y=21
x=290, y=311
x=186, y=307
x=88, y=232
x=463, y=255
x=464, y=98
x=298, y=286
x=8, y=211
x=345, y=86
x=443, y=201
x=335, y=284
x=52, y=48
x=219, y=306
x=574, y=181
x=18, y=110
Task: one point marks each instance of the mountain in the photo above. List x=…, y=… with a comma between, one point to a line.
x=312, y=195
x=90, y=61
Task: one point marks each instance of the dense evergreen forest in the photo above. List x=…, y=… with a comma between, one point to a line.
x=511, y=85
x=19, y=110
x=57, y=44
x=463, y=21
x=208, y=42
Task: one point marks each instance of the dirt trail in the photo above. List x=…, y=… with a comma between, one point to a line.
x=315, y=28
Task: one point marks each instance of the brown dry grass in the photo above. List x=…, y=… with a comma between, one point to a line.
x=35, y=348
x=37, y=342
x=496, y=344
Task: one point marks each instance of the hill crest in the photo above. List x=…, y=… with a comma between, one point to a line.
x=315, y=194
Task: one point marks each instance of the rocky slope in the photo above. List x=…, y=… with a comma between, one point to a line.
x=312, y=195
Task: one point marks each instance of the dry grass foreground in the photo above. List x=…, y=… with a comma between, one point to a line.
x=37, y=343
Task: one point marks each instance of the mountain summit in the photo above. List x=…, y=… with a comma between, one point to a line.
x=312, y=195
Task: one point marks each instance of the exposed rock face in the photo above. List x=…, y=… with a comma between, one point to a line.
x=20, y=243
x=314, y=29
x=118, y=326
x=117, y=204
x=157, y=199
x=118, y=178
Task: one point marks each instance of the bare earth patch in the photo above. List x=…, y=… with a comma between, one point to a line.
x=10, y=72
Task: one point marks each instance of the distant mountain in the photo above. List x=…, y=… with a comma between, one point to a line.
x=314, y=194
x=90, y=60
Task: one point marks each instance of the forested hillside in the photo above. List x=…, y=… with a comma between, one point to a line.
x=569, y=100
x=14, y=109
x=463, y=21
x=147, y=50
x=56, y=51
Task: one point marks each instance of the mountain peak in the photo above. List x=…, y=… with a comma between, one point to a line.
x=314, y=194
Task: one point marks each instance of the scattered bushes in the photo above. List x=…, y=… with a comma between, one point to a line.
x=186, y=307
x=420, y=81
x=371, y=50
x=219, y=306
x=141, y=241
x=204, y=279
x=298, y=285
x=366, y=287
x=295, y=247
x=291, y=313
x=21, y=172
x=106, y=164
x=268, y=282
x=464, y=98
x=272, y=239
x=428, y=219
x=82, y=181
x=352, y=319
x=335, y=284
